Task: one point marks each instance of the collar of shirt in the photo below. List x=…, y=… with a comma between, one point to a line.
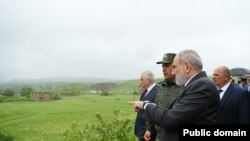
x=189, y=80
x=150, y=87
x=224, y=88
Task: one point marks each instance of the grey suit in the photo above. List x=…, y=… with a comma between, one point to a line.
x=198, y=103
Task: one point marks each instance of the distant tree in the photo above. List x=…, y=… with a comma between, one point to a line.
x=26, y=91
x=0, y=92
x=105, y=93
x=76, y=91
x=8, y=92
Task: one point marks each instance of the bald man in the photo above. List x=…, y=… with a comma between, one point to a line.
x=233, y=106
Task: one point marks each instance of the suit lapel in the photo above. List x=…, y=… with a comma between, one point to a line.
x=148, y=94
x=183, y=89
x=227, y=94
x=142, y=96
x=178, y=97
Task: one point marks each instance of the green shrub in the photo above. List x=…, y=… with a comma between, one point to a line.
x=8, y=92
x=26, y=91
x=105, y=93
x=116, y=129
x=57, y=97
x=13, y=98
x=5, y=137
x=1, y=98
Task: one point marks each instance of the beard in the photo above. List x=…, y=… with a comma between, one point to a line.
x=180, y=79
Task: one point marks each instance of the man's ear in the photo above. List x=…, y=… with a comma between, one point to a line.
x=188, y=67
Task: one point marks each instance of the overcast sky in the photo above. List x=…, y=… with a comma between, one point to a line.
x=118, y=39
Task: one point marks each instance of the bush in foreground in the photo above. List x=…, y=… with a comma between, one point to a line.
x=116, y=129
x=5, y=137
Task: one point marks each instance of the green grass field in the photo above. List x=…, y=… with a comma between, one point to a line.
x=37, y=121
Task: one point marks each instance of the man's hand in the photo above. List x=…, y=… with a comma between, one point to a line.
x=131, y=102
x=147, y=135
x=138, y=105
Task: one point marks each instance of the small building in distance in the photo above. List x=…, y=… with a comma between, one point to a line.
x=41, y=96
x=101, y=87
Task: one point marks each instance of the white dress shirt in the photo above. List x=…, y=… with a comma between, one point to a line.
x=224, y=88
x=150, y=88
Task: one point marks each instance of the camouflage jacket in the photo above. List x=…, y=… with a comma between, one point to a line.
x=165, y=95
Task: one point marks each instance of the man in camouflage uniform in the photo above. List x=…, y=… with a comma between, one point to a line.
x=167, y=91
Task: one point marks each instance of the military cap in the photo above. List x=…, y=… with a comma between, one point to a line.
x=167, y=58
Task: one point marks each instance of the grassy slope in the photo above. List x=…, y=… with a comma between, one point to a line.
x=34, y=121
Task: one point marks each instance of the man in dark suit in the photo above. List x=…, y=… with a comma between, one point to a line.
x=233, y=107
x=149, y=90
x=198, y=102
x=247, y=86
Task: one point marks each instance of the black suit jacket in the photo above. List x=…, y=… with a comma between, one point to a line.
x=140, y=122
x=233, y=108
x=198, y=103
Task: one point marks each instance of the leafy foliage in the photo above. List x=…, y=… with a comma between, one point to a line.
x=26, y=91
x=116, y=130
x=105, y=93
x=8, y=92
x=5, y=137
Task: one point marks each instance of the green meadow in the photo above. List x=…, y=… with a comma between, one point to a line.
x=37, y=121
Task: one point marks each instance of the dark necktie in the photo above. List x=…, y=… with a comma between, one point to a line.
x=220, y=91
x=144, y=93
